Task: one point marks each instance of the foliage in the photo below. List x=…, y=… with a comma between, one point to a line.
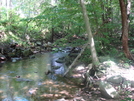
x=128, y=99
x=35, y=20
x=86, y=56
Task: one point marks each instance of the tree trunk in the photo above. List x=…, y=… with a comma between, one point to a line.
x=7, y=12
x=90, y=36
x=0, y=10
x=125, y=26
x=52, y=34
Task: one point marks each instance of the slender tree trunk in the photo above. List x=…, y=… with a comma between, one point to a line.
x=0, y=10
x=125, y=26
x=52, y=34
x=90, y=36
x=7, y=6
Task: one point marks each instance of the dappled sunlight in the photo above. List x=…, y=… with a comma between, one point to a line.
x=32, y=76
x=49, y=53
x=14, y=36
x=28, y=75
x=1, y=91
x=25, y=87
x=55, y=89
x=29, y=80
x=48, y=64
x=119, y=69
x=2, y=77
x=23, y=77
x=50, y=96
x=48, y=82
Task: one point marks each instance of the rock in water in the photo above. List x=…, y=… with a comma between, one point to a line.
x=108, y=90
x=61, y=60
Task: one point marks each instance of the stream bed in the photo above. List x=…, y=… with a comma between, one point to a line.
x=26, y=80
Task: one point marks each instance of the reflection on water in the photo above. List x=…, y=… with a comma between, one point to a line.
x=17, y=78
x=25, y=80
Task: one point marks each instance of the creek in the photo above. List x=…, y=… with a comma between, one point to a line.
x=26, y=80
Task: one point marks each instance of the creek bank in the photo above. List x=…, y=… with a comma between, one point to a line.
x=14, y=51
x=111, y=80
x=116, y=76
x=19, y=80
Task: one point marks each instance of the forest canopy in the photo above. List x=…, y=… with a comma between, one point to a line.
x=61, y=21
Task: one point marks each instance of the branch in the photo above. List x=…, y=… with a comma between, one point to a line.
x=76, y=58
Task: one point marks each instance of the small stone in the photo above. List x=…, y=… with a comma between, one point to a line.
x=14, y=60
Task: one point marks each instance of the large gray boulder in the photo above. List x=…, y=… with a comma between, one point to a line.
x=116, y=79
x=107, y=90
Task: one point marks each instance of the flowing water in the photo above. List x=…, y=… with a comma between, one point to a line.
x=26, y=80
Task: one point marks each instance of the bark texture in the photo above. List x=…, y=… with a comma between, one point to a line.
x=90, y=36
x=125, y=11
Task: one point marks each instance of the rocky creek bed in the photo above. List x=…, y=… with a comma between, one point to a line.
x=113, y=81
x=36, y=79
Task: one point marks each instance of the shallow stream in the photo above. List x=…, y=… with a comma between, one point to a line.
x=26, y=80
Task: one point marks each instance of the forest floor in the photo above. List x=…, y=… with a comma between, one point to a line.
x=94, y=94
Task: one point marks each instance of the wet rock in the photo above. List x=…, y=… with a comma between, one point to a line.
x=48, y=46
x=57, y=59
x=55, y=64
x=74, y=51
x=61, y=60
x=107, y=90
x=35, y=51
x=60, y=70
x=27, y=52
x=67, y=49
x=15, y=59
x=2, y=57
x=56, y=67
x=38, y=43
